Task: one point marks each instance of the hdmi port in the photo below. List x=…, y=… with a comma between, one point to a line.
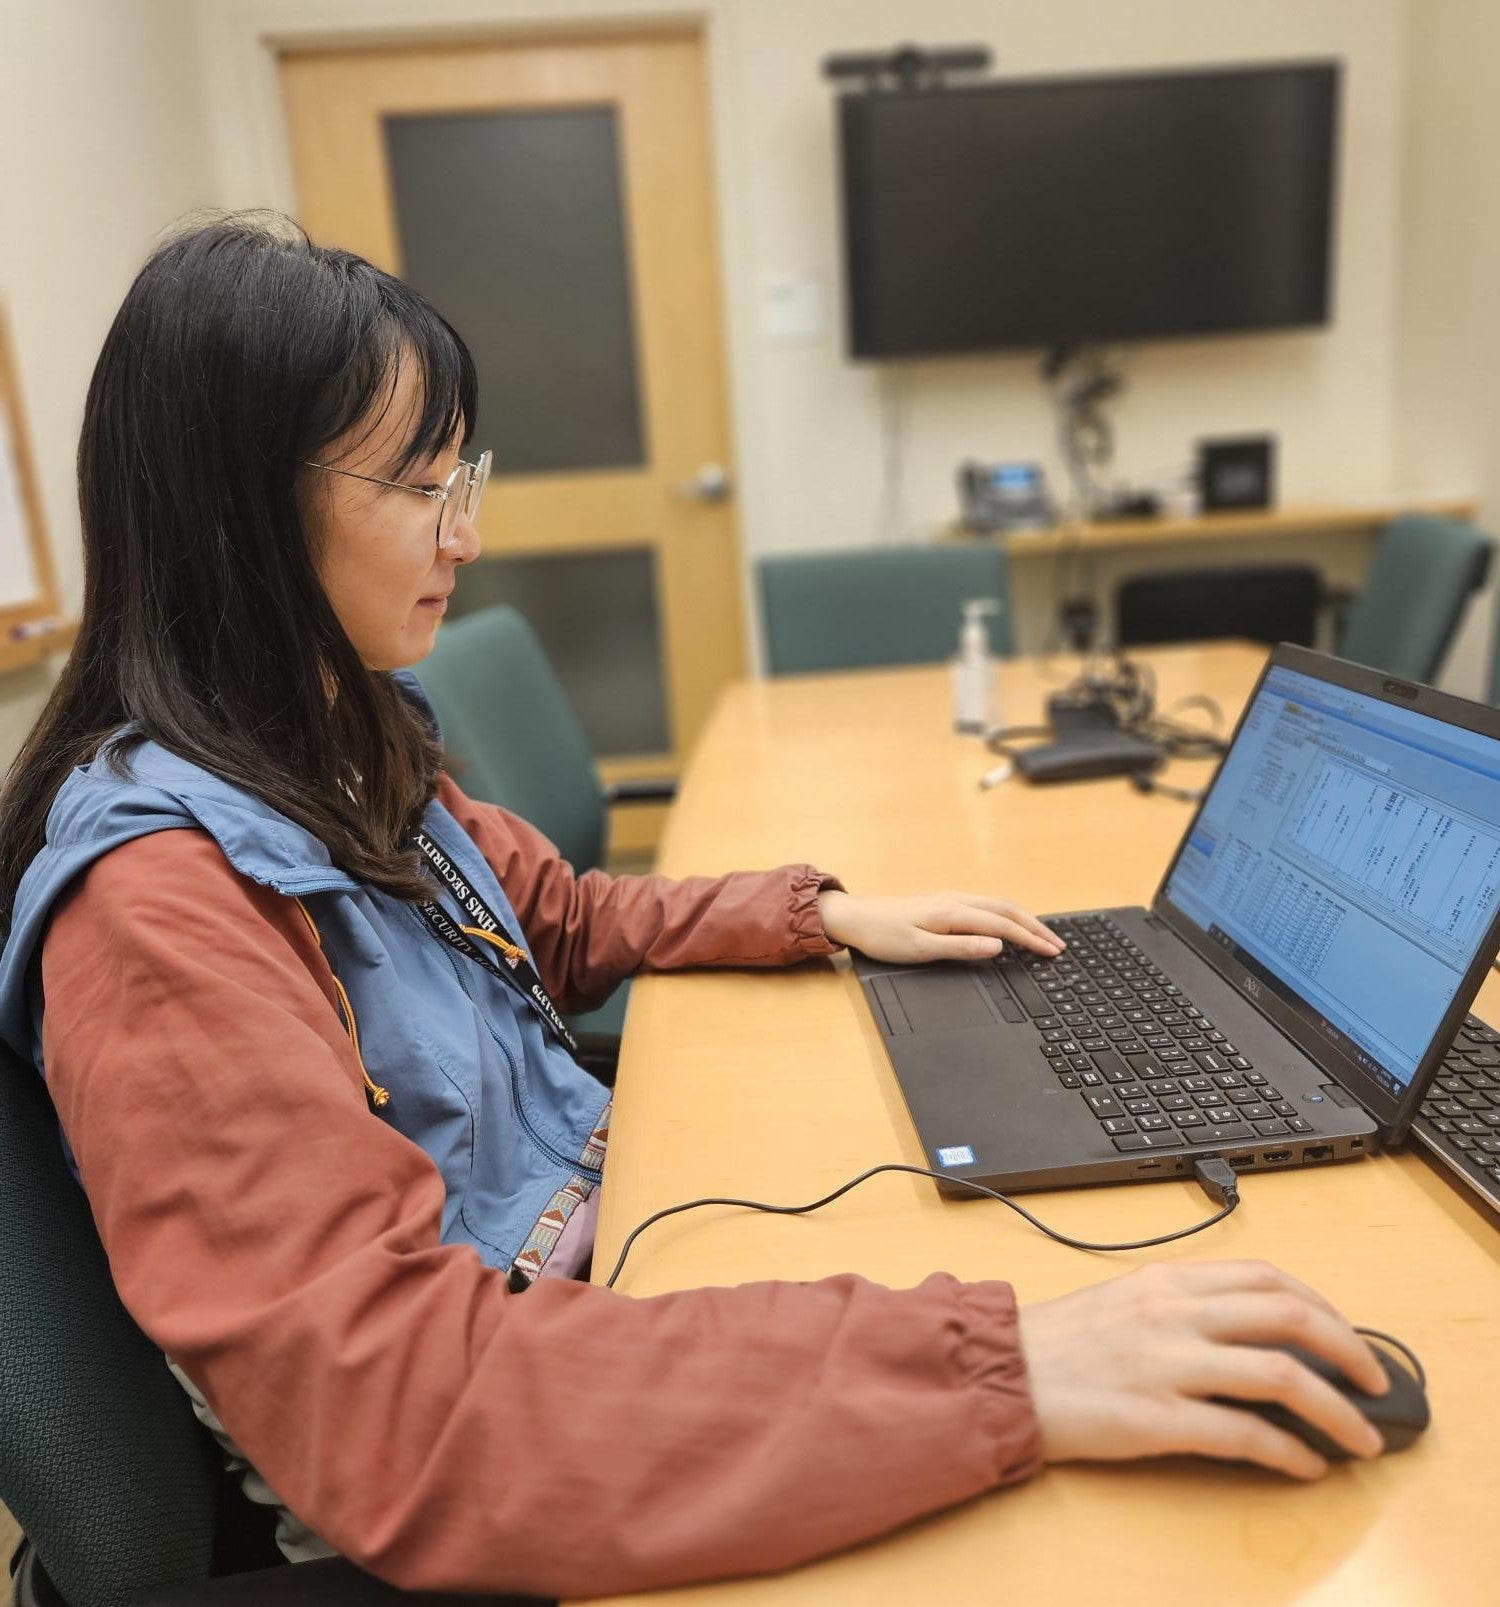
x=1277, y=1155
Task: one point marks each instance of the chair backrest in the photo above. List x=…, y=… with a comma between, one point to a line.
x=1494, y=687
x=1420, y=578
x=1258, y=602
x=885, y=605
x=511, y=734
x=101, y=1460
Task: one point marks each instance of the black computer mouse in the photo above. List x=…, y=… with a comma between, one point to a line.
x=1399, y=1415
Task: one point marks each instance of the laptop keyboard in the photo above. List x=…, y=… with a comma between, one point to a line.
x=1157, y=1074
x=1149, y=1064
x=1461, y=1113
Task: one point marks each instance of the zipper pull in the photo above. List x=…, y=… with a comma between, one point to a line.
x=379, y=1097
x=508, y=949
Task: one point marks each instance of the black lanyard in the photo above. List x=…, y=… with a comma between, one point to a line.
x=514, y=968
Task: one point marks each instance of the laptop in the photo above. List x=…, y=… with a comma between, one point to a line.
x=1292, y=991
x=1459, y=1120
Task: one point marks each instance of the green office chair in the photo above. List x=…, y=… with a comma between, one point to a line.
x=1256, y=602
x=116, y=1488
x=1419, y=581
x=1494, y=687
x=892, y=605
x=514, y=740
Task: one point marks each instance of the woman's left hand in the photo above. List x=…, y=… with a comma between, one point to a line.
x=932, y=926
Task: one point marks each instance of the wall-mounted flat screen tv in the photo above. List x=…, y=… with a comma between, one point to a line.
x=1039, y=212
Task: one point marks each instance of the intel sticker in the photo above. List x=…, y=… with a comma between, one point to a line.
x=956, y=1155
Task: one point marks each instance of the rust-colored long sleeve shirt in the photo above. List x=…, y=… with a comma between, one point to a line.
x=281, y=1244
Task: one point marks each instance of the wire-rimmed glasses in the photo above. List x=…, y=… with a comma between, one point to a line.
x=458, y=496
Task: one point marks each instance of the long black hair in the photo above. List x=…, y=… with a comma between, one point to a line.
x=240, y=352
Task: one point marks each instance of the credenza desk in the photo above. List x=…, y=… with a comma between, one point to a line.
x=1090, y=558
x=774, y=1085
x=1229, y=527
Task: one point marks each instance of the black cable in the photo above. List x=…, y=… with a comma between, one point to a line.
x=1206, y=1179
x=999, y=740
x=1199, y=700
x=1144, y=781
x=1126, y=691
x=1214, y=1175
x=1081, y=382
x=1396, y=1344
x=1188, y=741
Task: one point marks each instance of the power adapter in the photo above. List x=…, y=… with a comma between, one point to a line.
x=1084, y=710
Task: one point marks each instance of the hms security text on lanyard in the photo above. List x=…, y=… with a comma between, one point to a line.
x=515, y=968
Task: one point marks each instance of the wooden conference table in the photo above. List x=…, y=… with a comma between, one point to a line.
x=774, y=1085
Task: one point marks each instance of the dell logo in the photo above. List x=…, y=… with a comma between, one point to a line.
x=1252, y=987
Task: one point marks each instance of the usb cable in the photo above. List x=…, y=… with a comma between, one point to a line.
x=1215, y=1177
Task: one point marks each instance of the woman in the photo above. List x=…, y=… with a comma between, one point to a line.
x=277, y=971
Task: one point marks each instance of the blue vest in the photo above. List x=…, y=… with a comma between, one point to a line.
x=502, y=1108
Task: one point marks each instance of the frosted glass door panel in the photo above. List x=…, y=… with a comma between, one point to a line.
x=597, y=617
x=512, y=224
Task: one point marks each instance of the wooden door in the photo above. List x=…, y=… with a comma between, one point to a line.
x=552, y=198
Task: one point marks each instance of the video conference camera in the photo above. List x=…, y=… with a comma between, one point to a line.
x=907, y=66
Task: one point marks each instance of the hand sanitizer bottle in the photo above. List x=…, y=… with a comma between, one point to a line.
x=973, y=669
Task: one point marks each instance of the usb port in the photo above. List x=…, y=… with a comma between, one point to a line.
x=1274, y=1155
x=1356, y=1143
x=1317, y=1152
x=1240, y=1162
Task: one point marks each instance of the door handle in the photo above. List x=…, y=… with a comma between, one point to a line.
x=710, y=484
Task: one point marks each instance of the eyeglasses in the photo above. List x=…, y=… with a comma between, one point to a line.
x=458, y=496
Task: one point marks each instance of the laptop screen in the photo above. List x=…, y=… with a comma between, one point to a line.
x=1350, y=850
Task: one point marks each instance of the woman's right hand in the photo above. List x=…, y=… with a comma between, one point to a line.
x=1126, y=1368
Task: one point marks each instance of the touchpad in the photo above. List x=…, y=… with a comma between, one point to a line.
x=939, y=1001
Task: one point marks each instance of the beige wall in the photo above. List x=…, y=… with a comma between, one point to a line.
x=124, y=120
x=1448, y=331
x=808, y=423
x=815, y=430
x=105, y=141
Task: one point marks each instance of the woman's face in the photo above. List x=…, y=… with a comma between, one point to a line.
x=377, y=553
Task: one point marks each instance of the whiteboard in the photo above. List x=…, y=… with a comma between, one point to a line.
x=19, y=582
